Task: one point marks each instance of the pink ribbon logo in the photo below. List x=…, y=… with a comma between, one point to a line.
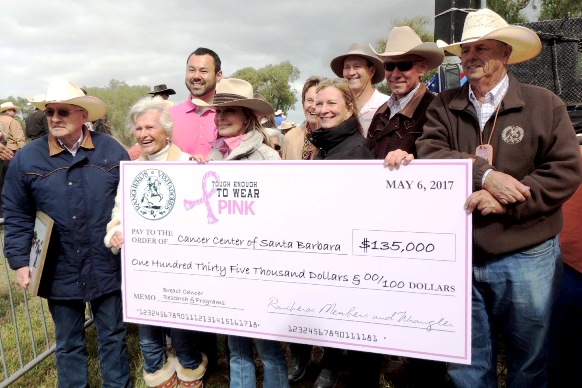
x=206, y=194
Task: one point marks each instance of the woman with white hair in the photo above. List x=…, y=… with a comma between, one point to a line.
x=152, y=125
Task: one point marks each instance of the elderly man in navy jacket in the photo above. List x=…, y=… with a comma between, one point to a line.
x=72, y=175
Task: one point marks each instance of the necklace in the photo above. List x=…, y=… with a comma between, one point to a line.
x=486, y=150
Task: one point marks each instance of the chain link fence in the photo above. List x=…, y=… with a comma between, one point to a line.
x=559, y=65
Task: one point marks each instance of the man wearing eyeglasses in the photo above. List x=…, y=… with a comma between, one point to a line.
x=72, y=175
x=398, y=123
x=362, y=69
x=396, y=126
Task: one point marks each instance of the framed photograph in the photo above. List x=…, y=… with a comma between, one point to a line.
x=43, y=226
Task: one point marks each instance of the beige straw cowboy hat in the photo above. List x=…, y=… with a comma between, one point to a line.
x=286, y=125
x=404, y=41
x=66, y=92
x=7, y=106
x=237, y=92
x=359, y=50
x=486, y=24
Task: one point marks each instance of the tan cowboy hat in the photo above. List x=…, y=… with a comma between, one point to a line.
x=66, y=92
x=286, y=126
x=359, y=50
x=404, y=41
x=7, y=106
x=486, y=24
x=162, y=89
x=237, y=92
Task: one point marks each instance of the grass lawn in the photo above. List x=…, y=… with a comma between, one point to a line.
x=44, y=374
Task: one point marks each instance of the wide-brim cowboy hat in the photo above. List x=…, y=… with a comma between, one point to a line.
x=66, y=92
x=403, y=41
x=286, y=125
x=162, y=89
x=359, y=50
x=485, y=24
x=237, y=92
x=7, y=106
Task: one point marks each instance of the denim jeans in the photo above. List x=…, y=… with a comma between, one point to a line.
x=71, y=350
x=152, y=342
x=513, y=296
x=242, y=363
x=566, y=333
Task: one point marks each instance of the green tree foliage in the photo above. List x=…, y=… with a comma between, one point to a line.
x=419, y=24
x=549, y=9
x=119, y=97
x=509, y=9
x=560, y=9
x=273, y=82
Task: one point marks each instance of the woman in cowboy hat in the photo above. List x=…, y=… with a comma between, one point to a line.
x=184, y=366
x=240, y=134
x=241, y=137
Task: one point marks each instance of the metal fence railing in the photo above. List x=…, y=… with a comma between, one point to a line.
x=26, y=327
x=26, y=330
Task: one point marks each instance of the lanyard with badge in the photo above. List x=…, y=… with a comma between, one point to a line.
x=486, y=150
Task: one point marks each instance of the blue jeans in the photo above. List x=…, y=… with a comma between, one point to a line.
x=152, y=342
x=242, y=363
x=71, y=351
x=566, y=333
x=513, y=296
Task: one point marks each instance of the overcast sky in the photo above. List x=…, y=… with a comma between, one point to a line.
x=146, y=42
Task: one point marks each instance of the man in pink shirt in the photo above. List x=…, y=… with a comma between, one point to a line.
x=194, y=126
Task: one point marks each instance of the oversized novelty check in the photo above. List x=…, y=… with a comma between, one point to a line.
x=345, y=254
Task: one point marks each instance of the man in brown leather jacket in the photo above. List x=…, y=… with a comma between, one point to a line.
x=398, y=123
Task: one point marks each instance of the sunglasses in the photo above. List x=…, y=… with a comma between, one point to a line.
x=402, y=66
x=61, y=112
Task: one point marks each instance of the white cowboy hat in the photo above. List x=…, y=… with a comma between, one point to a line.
x=486, y=24
x=359, y=50
x=237, y=92
x=7, y=106
x=404, y=41
x=36, y=98
x=66, y=92
x=279, y=112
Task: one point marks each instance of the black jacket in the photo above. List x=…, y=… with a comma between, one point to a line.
x=343, y=142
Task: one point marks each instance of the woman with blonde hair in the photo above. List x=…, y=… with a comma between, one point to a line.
x=339, y=137
x=338, y=133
